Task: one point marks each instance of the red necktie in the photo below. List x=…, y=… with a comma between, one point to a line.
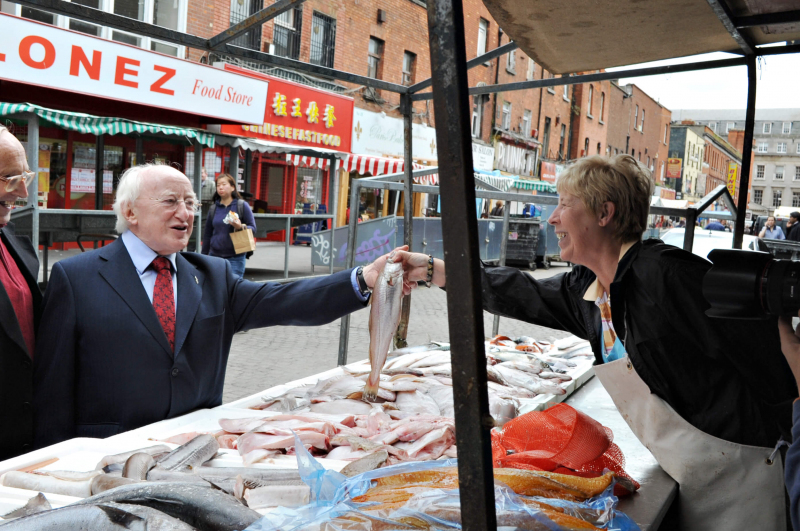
x=164, y=299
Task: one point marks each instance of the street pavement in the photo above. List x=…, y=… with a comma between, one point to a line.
x=266, y=357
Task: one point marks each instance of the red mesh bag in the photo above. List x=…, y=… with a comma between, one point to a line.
x=560, y=439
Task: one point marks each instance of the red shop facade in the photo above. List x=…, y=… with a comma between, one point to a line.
x=296, y=116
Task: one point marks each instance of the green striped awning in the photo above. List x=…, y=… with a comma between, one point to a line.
x=539, y=186
x=100, y=125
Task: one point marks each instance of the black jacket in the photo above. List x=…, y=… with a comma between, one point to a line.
x=16, y=367
x=726, y=377
x=793, y=233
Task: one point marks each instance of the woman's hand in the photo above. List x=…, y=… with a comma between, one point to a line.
x=790, y=345
x=237, y=224
x=415, y=266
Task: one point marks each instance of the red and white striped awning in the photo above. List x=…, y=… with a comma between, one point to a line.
x=363, y=165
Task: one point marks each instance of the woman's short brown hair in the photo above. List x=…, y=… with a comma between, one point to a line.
x=618, y=179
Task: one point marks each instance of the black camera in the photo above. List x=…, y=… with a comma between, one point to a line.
x=751, y=285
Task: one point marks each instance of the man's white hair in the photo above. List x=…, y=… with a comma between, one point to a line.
x=128, y=189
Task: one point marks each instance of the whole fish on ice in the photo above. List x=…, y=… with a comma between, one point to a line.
x=384, y=316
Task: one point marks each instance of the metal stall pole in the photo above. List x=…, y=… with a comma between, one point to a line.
x=334, y=201
x=248, y=170
x=139, y=150
x=747, y=156
x=460, y=234
x=32, y=152
x=288, y=240
x=502, y=261
x=233, y=166
x=198, y=190
x=406, y=108
x=100, y=147
x=344, y=328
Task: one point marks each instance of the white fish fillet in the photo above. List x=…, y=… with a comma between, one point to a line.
x=48, y=484
x=435, y=358
x=417, y=403
x=345, y=405
x=277, y=496
x=251, y=441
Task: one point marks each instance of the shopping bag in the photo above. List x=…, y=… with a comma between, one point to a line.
x=243, y=241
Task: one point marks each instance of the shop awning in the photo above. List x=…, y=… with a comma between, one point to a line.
x=375, y=166
x=495, y=179
x=101, y=125
x=305, y=156
x=539, y=186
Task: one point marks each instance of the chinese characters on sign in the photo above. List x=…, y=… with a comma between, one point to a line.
x=298, y=114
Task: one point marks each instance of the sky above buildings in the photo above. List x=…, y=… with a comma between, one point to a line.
x=724, y=88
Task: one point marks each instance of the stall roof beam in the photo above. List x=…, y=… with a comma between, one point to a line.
x=254, y=20
x=115, y=21
x=601, y=76
x=725, y=16
x=472, y=63
x=767, y=19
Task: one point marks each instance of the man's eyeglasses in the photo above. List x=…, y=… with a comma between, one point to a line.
x=171, y=204
x=13, y=181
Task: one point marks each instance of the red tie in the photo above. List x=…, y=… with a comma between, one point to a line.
x=164, y=299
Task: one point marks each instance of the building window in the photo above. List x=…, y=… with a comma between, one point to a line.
x=767, y=128
x=526, y=124
x=511, y=62
x=641, y=126
x=798, y=147
x=778, y=173
x=635, y=116
x=666, y=131
x=483, y=31
x=586, y=147
x=648, y=161
x=762, y=147
x=795, y=199
x=598, y=148
x=566, y=93
x=787, y=128
x=546, y=139
x=374, y=66
x=776, y=198
x=758, y=196
x=591, y=97
x=531, y=66
x=713, y=126
x=730, y=126
x=551, y=90
x=602, y=105
x=759, y=171
x=781, y=147
x=797, y=173
x=477, y=115
x=409, y=68
x=506, y=115
x=561, y=142
x=323, y=40
x=286, y=34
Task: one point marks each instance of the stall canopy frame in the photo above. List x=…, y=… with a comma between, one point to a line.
x=750, y=25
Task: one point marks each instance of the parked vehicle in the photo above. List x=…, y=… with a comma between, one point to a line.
x=706, y=241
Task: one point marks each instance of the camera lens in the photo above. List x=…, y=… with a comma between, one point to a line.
x=751, y=285
x=780, y=292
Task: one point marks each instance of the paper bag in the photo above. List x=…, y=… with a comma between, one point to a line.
x=243, y=241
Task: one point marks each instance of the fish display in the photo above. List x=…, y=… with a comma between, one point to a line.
x=384, y=316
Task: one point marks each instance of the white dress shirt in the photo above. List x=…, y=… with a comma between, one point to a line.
x=142, y=257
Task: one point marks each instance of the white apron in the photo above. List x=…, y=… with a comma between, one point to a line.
x=723, y=485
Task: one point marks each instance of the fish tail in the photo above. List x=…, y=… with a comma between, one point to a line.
x=371, y=389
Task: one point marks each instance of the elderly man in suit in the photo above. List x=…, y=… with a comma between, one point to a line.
x=138, y=331
x=20, y=303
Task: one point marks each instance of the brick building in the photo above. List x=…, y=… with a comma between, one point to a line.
x=589, y=119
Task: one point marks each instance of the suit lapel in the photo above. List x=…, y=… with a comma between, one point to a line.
x=190, y=291
x=120, y=273
x=8, y=317
x=27, y=263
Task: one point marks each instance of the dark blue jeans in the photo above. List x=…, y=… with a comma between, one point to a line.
x=237, y=264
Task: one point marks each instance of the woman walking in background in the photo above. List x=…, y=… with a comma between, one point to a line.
x=216, y=236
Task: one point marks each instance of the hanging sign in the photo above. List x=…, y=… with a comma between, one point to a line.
x=40, y=54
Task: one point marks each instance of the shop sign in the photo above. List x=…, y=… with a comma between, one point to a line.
x=667, y=193
x=674, y=168
x=298, y=114
x=47, y=56
x=482, y=157
x=375, y=134
x=548, y=172
x=516, y=160
x=733, y=170
x=82, y=181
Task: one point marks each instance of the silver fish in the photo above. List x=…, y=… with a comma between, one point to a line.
x=201, y=507
x=192, y=454
x=384, y=316
x=105, y=482
x=99, y=517
x=121, y=458
x=138, y=465
x=156, y=520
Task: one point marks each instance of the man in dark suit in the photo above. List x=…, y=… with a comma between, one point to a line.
x=20, y=304
x=138, y=332
x=793, y=227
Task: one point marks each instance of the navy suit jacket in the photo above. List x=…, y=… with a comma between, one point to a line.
x=103, y=364
x=16, y=367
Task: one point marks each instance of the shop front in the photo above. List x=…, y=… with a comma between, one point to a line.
x=302, y=129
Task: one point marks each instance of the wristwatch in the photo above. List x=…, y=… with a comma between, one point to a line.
x=362, y=282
